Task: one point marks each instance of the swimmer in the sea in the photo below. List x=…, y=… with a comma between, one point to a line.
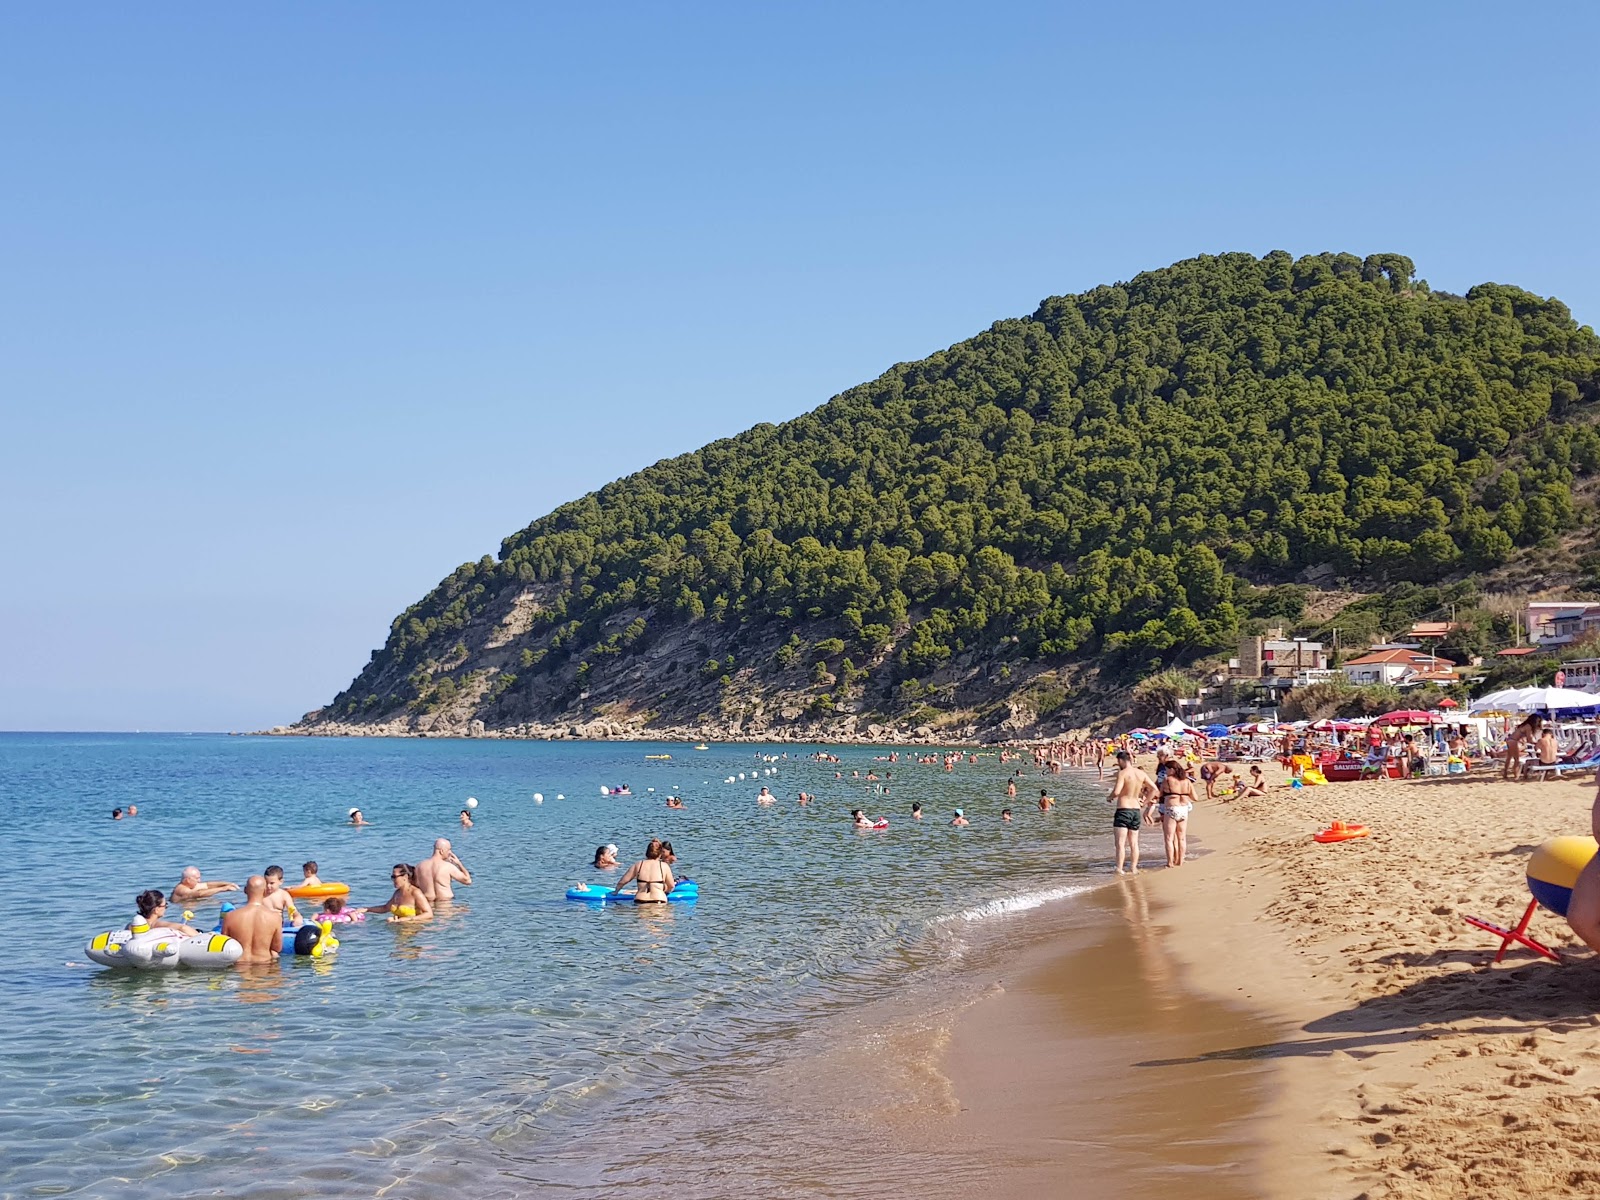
x=408, y=903
x=959, y=819
x=309, y=870
x=356, y=818
x=152, y=907
x=860, y=819
x=1046, y=801
x=279, y=900
x=466, y=819
x=916, y=810
x=765, y=796
x=1005, y=815
x=192, y=887
x=605, y=856
x=674, y=802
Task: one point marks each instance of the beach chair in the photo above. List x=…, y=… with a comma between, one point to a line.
x=1558, y=769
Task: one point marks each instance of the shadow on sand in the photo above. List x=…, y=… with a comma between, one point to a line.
x=1535, y=997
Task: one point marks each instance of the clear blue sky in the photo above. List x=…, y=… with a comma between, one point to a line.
x=301, y=306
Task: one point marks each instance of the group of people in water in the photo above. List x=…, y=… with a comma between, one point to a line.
x=651, y=876
x=268, y=908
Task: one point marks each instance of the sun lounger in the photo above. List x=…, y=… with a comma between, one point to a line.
x=1558, y=769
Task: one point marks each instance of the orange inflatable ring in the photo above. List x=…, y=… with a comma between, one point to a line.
x=1341, y=831
x=316, y=891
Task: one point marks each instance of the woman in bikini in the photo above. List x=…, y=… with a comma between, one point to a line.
x=652, y=878
x=408, y=902
x=1177, y=799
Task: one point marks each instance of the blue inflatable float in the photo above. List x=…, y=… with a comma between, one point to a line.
x=686, y=891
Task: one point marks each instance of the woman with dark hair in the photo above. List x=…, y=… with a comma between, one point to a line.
x=408, y=903
x=1517, y=743
x=605, y=856
x=152, y=906
x=1177, y=799
x=652, y=877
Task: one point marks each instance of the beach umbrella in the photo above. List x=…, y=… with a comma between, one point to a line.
x=1216, y=731
x=1556, y=699
x=1448, y=703
x=1408, y=716
x=1506, y=700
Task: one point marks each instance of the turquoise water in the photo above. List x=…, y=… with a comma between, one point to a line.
x=490, y=1050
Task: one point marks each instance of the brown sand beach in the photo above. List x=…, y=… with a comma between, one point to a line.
x=1397, y=1060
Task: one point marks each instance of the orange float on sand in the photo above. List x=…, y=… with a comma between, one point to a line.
x=317, y=891
x=1341, y=831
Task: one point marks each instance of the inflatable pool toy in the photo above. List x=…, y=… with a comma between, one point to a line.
x=142, y=948
x=594, y=893
x=318, y=891
x=656, y=757
x=1554, y=867
x=702, y=746
x=1341, y=831
x=1553, y=870
x=297, y=940
x=1312, y=777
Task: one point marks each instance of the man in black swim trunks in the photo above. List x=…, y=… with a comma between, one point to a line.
x=1132, y=795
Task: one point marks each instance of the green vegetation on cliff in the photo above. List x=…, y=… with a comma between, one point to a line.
x=1120, y=477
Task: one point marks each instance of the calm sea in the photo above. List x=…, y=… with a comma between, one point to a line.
x=521, y=1044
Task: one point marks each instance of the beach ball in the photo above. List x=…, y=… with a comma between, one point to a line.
x=538, y=797
x=472, y=802
x=1554, y=867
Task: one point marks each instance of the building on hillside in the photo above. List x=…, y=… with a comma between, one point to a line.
x=1277, y=657
x=1580, y=673
x=1400, y=666
x=1561, y=622
x=1432, y=629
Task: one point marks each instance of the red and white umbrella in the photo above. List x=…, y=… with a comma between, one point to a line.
x=1409, y=716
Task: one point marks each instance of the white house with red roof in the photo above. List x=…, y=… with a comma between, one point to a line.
x=1401, y=666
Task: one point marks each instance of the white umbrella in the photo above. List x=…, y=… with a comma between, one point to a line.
x=1533, y=699
x=1557, y=697
x=1505, y=700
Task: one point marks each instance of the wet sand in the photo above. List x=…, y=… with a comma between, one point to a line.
x=1355, y=1038
x=1087, y=1064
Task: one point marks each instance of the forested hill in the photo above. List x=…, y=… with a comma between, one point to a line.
x=1066, y=501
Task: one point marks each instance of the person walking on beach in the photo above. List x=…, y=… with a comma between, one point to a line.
x=253, y=925
x=1177, y=801
x=1132, y=794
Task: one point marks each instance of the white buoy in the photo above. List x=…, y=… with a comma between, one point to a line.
x=741, y=774
x=604, y=790
x=472, y=802
x=538, y=797
x=559, y=796
x=649, y=789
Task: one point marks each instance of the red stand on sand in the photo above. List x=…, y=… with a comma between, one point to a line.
x=1519, y=934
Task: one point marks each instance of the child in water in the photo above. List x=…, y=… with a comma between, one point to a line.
x=333, y=910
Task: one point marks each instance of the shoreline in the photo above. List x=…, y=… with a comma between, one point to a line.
x=1402, y=1062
